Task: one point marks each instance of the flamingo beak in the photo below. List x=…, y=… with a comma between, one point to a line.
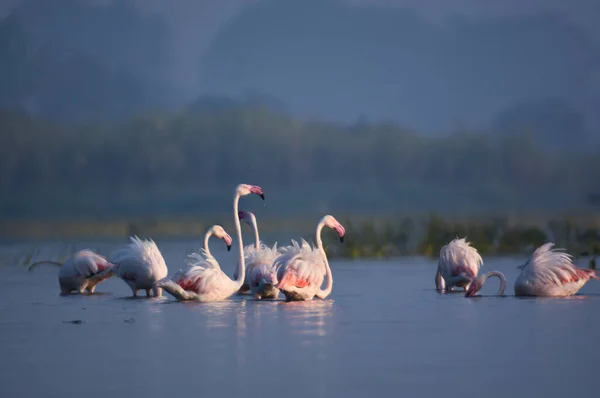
x=470, y=293
x=228, y=248
x=342, y=238
x=262, y=196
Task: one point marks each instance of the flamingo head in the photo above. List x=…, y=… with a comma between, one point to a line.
x=332, y=223
x=246, y=189
x=475, y=286
x=247, y=217
x=219, y=232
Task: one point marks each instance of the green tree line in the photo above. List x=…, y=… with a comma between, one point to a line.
x=185, y=158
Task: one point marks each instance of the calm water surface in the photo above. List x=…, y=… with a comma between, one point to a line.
x=384, y=331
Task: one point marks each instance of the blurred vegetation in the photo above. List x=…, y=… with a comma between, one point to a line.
x=495, y=236
x=165, y=164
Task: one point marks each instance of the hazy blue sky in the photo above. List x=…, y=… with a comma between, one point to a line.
x=201, y=19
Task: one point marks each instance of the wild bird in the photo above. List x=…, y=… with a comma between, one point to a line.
x=458, y=265
x=187, y=277
x=302, y=268
x=550, y=272
x=83, y=271
x=261, y=276
x=140, y=264
x=203, y=279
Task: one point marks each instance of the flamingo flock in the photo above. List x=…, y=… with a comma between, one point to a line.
x=298, y=271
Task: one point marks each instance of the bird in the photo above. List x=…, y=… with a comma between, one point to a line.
x=550, y=272
x=187, y=276
x=140, y=264
x=458, y=265
x=302, y=268
x=203, y=279
x=83, y=271
x=261, y=276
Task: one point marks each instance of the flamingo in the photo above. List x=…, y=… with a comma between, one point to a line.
x=182, y=274
x=301, y=268
x=550, y=272
x=261, y=276
x=203, y=279
x=140, y=264
x=83, y=271
x=458, y=265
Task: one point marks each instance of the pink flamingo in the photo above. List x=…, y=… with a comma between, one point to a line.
x=550, y=272
x=458, y=265
x=261, y=276
x=83, y=271
x=140, y=265
x=189, y=275
x=204, y=280
x=301, y=269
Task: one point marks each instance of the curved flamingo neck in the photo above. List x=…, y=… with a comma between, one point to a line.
x=500, y=276
x=238, y=229
x=207, y=236
x=322, y=293
x=255, y=226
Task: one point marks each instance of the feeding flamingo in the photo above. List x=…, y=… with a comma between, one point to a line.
x=204, y=280
x=83, y=271
x=140, y=264
x=458, y=265
x=261, y=276
x=551, y=272
x=301, y=269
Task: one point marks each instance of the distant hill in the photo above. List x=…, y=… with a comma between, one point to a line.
x=72, y=60
x=337, y=61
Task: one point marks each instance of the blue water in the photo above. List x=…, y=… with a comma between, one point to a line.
x=384, y=331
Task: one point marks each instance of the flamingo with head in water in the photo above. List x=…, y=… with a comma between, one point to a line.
x=204, y=280
x=261, y=276
x=140, y=265
x=458, y=265
x=550, y=272
x=83, y=271
x=302, y=268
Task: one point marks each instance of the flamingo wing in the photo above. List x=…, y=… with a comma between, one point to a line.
x=553, y=266
x=203, y=275
x=140, y=259
x=300, y=267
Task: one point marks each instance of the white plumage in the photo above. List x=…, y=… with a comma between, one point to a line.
x=203, y=279
x=261, y=276
x=140, y=264
x=83, y=271
x=458, y=265
x=301, y=269
x=551, y=272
